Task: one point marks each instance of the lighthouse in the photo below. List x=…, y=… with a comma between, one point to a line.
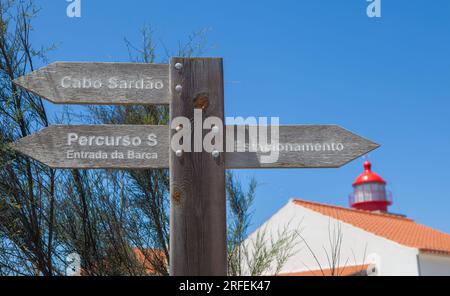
x=369, y=192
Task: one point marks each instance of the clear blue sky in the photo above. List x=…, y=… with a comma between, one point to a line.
x=307, y=62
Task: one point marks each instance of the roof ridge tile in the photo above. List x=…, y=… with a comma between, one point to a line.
x=389, y=215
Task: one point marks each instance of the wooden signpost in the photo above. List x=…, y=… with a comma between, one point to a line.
x=197, y=179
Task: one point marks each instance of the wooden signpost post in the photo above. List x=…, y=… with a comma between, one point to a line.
x=197, y=179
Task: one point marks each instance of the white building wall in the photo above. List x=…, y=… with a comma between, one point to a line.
x=434, y=265
x=357, y=244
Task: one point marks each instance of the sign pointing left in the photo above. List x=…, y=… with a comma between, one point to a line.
x=98, y=146
x=100, y=83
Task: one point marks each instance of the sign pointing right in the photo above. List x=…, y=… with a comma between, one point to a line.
x=303, y=146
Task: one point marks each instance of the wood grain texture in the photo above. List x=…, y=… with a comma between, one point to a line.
x=306, y=146
x=197, y=180
x=121, y=83
x=51, y=147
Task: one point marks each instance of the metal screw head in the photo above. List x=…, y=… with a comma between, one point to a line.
x=178, y=66
x=215, y=153
x=179, y=153
x=215, y=129
x=179, y=128
x=178, y=88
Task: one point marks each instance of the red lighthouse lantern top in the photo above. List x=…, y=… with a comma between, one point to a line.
x=368, y=176
x=369, y=192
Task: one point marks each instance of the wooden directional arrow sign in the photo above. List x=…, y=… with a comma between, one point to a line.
x=100, y=83
x=98, y=146
x=143, y=146
x=304, y=146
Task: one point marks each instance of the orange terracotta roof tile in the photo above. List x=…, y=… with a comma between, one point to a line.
x=393, y=227
x=340, y=271
x=149, y=257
